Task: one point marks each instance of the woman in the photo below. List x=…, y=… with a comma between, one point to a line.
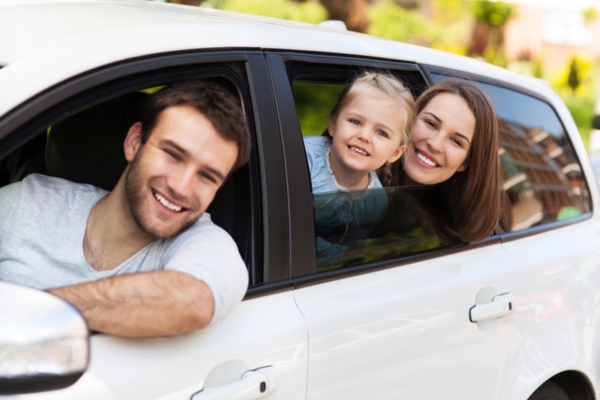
x=454, y=143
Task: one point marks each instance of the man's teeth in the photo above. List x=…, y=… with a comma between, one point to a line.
x=359, y=151
x=166, y=203
x=426, y=160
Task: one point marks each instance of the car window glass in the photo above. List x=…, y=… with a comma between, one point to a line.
x=360, y=226
x=541, y=174
x=355, y=227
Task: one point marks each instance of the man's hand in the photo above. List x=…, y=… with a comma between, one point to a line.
x=158, y=303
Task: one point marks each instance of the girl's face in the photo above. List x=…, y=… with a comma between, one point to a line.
x=367, y=133
x=441, y=139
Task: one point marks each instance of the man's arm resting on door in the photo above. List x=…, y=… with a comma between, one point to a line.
x=159, y=303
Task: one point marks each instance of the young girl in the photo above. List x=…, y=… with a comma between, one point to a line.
x=366, y=133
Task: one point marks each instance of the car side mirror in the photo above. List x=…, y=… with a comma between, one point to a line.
x=596, y=122
x=44, y=341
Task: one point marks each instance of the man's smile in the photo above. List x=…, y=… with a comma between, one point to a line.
x=166, y=203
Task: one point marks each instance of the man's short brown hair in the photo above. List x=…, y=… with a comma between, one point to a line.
x=213, y=100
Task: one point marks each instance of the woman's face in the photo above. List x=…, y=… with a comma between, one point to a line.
x=441, y=139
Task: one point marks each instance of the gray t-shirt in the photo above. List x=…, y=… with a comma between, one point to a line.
x=42, y=224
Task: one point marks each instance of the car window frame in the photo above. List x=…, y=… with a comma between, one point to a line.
x=505, y=237
x=245, y=68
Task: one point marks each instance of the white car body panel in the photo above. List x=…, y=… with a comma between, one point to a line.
x=564, y=280
x=266, y=331
x=404, y=332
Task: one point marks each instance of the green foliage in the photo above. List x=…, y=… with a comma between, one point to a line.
x=589, y=14
x=582, y=111
x=577, y=69
x=448, y=10
x=531, y=68
x=313, y=105
x=580, y=102
x=494, y=13
x=309, y=11
x=537, y=68
x=390, y=21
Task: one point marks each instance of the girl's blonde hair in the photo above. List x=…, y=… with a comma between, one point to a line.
x=393, y=87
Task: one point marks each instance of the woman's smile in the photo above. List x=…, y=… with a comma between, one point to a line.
x=441, y=139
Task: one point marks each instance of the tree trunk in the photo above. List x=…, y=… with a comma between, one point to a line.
x=187, y=2
x=479, y=39
x=354, y=13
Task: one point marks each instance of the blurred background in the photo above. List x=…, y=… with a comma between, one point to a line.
x=554, y=40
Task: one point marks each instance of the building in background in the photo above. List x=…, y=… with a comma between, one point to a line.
x=553, y=31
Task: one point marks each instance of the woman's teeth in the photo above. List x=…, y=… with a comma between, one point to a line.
x=166, y=203
x=426, y=160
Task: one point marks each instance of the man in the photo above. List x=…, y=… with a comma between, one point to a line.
x=144, y=259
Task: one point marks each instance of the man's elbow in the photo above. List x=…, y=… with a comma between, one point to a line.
x=199, y=318
x=200, y=307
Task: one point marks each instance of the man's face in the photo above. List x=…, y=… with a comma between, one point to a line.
x=174, y=176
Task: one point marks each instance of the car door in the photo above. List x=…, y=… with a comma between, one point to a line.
x=550, y=239
x=263, y=340
x=398, y=325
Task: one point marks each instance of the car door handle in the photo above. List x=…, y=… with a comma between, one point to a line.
x=501, y=305
x=254, y=384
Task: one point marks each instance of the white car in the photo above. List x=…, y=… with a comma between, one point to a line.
x=516, y=316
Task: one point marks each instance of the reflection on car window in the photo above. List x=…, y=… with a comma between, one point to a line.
x=416, y=219
x=542, y=177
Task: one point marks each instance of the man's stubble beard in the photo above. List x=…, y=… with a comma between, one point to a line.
x=135, y=196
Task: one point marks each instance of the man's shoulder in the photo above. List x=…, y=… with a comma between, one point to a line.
x=38, y=183
x=50, y=194
x=204, y=236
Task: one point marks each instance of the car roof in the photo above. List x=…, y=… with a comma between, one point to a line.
x=53, y=40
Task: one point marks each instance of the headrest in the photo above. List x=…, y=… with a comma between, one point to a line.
x=88, y=147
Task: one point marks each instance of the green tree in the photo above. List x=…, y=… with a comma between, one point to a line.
x=309, y=11
x=574, y=77
x=590, y=14
x=391, y=21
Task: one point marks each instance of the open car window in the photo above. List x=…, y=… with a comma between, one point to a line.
x=357, y=227
x=85, y=145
